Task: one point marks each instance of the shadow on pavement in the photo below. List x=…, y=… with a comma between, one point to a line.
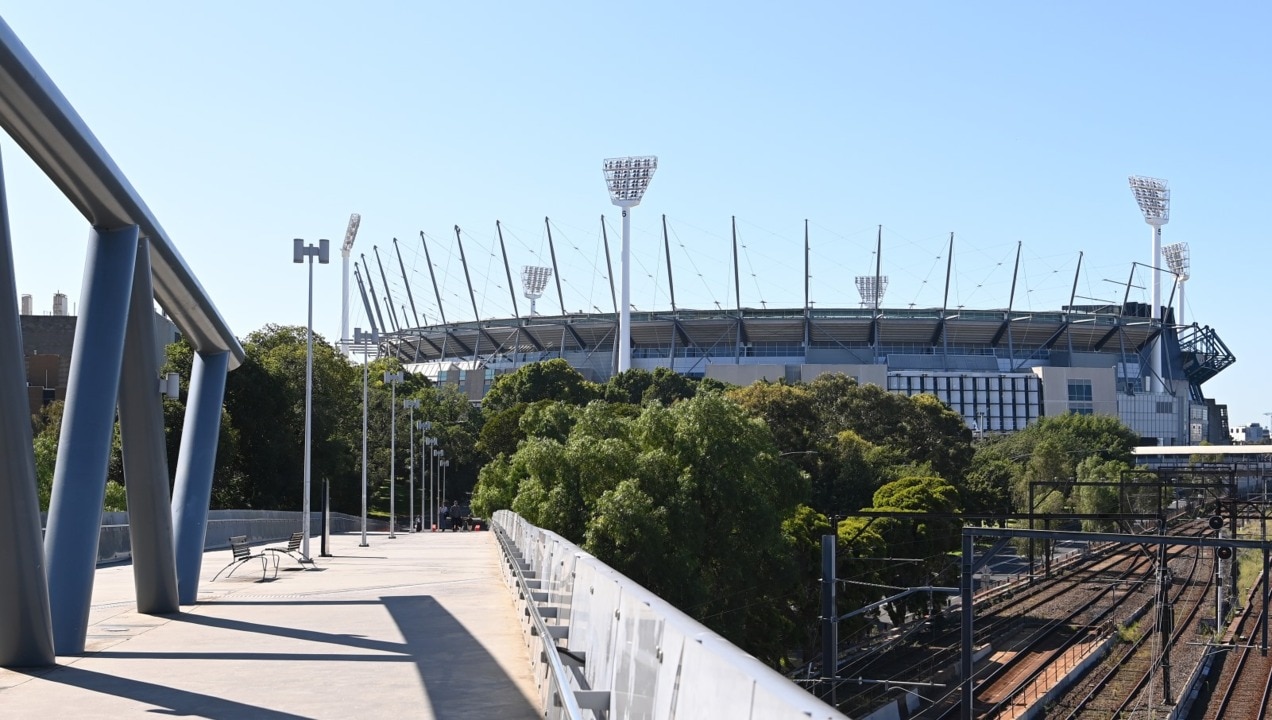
x=462, y=679
x=173, y=701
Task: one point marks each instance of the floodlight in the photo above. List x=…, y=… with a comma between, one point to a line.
x=1177, y=259
x=628, y=178
x=871, y=288
x=533, y=280
x=1153, y=197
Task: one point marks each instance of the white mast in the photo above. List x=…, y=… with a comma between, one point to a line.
x=350, y=234
x=1153, y=197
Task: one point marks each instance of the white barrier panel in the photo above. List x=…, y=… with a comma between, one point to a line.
x=653, y=660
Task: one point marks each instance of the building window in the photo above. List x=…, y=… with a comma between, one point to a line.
x=1080, y=391
x=1080, y=397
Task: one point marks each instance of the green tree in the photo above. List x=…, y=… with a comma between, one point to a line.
x=547, y=380
x=987, y=488
x=788, y=410
x=687, y=500
x=930, y=540
x=1098, y=498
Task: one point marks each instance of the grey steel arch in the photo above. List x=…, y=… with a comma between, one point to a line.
x=45, y=125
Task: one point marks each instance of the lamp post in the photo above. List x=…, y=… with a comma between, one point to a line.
x=438, y=454
x=1153, y=197
x=411, y=405
x=300, y=251
x=392, y=379
x=443, y=464
x=361, y=339
x=627, y=178
x=426, y=450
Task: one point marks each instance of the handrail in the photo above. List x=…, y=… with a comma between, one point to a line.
x=559, y=678
x=43, y=123
x=629, y=653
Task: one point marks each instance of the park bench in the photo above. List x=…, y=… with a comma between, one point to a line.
x=242, y=552
x=292, y=550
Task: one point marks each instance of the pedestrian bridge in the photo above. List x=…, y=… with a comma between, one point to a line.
x=515, y=623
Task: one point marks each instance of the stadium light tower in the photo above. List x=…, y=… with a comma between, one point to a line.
x=533, y=280
x=872, y=288
x=627, y=179
x=1177, y=260
x=350, y=233
x=1153, y=197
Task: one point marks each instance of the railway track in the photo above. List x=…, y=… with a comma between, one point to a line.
x=1022, y=680
x=1120, y=690
x=1244, y=684
x=1015, y=620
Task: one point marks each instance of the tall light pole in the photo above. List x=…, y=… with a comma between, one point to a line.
x=300, y=251
x=438, y=454
x=392, y=379
x=444, y=464
x=1153, y=197
x=411, y=405
x=1177, y=260
x=426, y=451
x=362, y=339
x=627, y=179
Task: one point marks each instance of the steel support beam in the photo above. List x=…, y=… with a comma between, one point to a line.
x=88, y=427
x=193, y=490
x=144, y=452
x=27, y=636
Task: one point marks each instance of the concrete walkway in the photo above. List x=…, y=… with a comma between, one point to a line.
x=420, y=626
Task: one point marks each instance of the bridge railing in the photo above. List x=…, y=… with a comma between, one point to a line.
x=621, y=651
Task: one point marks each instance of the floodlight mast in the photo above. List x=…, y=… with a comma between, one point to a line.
x=627, y=179
x=533, y=280
x=350, y=234
x=871, y=289
x=1153, y=197
x=1177, y=260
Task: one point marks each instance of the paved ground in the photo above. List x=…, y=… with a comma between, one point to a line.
x=417, y=627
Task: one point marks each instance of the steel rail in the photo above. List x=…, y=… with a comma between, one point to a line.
x=43, y=123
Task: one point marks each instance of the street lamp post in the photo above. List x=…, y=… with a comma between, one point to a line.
x=362, y=339
x=438, y=454
x=627, y=178
x=392, y=379
x=444, y=464
x=411, y=405
x=426, y=449
x=300, y=251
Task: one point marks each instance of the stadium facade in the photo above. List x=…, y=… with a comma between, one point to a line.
x=1001, y=369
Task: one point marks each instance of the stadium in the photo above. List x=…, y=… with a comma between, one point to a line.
x=1001, y=368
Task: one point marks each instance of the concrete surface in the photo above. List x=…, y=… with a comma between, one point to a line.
x=420, y=626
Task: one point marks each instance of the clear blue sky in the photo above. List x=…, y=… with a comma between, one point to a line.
x=244, y=125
